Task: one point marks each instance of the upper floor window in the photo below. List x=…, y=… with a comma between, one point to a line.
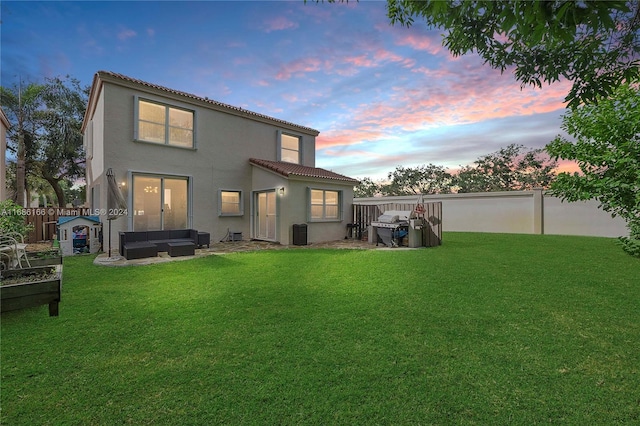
x=290, y=148
x=164, y=124
x=325, y=204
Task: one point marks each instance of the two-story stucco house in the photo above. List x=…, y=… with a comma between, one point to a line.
x=183, y=161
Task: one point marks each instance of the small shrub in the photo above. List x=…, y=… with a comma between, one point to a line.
x=12, y=219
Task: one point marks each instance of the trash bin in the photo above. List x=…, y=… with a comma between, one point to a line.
x=415, y=232
x=300, y=234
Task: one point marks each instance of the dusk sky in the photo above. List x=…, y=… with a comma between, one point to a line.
x=380, y=95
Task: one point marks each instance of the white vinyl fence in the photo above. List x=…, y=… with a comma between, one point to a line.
x=524, y=212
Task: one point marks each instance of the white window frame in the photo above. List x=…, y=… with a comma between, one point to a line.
x=240, y=203
x=280, y=147
x=167, y=127
x=324, y=217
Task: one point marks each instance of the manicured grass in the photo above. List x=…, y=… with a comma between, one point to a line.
x=486, y=329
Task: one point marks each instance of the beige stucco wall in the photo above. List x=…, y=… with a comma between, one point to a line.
x=220, y=160
x=528, y=212
x=488, y=212
x=580, y=218
x=297, y=210
x=293, y=205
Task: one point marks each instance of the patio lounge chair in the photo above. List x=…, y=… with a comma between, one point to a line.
x=14, y=248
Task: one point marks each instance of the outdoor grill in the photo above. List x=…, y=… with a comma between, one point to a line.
x=392, y=226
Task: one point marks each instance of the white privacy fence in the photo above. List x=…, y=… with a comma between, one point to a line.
x=525, y=212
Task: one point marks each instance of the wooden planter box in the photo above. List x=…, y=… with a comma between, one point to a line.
x=18, y=295
x=45, y=258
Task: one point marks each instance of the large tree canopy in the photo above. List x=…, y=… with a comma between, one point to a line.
x=60, y=157
x=425, y=179
x=593, y=44
x=45, y=133
x=605, y=142
x=21, y=103
x=514, y=168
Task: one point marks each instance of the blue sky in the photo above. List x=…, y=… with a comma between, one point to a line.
x=380, y=95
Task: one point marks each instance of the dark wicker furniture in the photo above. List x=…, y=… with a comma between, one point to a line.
x=139, y=244
x=181, y=248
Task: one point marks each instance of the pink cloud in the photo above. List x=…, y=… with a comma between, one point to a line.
x=355, y=153
x=279, y=23
x=426, y=43
x=382, y=55
x=290, y=97
x=299, y=66
x=341, y=65
x=346, y=137
x=470, y=93
x=359, y=61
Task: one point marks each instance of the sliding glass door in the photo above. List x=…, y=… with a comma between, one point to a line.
x=265, y=210
x=160, y=202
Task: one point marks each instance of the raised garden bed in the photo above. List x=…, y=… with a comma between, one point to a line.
x=45, y=257
x=29, y=287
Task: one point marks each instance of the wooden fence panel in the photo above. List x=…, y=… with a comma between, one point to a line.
x=432, y=235
x=363, y=215
x=44, y=220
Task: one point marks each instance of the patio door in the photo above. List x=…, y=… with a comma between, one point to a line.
x=265, y=215
x=159, y=202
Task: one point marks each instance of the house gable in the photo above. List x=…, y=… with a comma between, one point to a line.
x=106, y=76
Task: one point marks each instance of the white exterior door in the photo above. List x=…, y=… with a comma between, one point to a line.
x=265, y=215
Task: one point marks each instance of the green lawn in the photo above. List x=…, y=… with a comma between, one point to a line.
x=486, y=329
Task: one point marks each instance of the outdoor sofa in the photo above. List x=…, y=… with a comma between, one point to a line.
x=177, y=242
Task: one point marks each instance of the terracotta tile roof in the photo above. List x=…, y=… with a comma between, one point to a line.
x=231, y=108
x=289, y=169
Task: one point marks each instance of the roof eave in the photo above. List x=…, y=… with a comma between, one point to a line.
x=96, y=86
x=133, y=83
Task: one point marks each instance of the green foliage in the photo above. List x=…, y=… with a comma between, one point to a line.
x=513, y=168
x=21, y=105
x=631, y=244
x=593, y=44
x=367, y=188
x=12, y=218
x=486, y=329
x=425, y=179
x=45, y=132
x=605, y=142
x=61, y=157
